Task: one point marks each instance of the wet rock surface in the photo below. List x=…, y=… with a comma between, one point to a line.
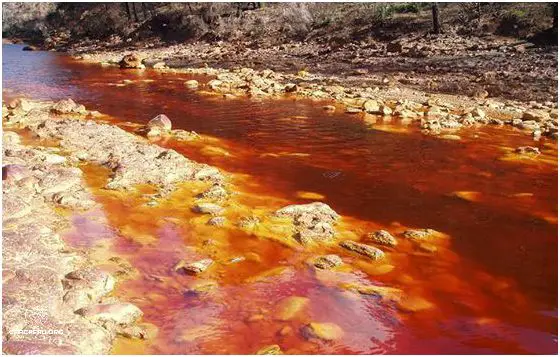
x=312, y=222
x=363, y=249
x=44, y=282
x=131, y=159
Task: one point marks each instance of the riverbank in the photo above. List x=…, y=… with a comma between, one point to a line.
x=56, y=299
x=357, y=91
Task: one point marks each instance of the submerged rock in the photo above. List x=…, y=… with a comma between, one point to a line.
x=217, y=221
x=327, y=331
x=531, y=150
x=120, y=313
x=208, y=208
x=327, y=261
x=249, y=222
x=270, y=350
x=415, y=304
x=195, y=267
x=363, y=249
x=290, y=307
x=382, y=237
x=191, y=83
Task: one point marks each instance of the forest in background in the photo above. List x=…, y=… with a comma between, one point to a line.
x=56, y=24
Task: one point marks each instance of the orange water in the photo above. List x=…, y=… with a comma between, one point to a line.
x=493, y=282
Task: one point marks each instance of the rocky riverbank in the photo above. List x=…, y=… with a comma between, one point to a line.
x=436, y=113
x=55, y=299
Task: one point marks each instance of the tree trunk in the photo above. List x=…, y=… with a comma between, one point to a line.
x=134, y=12
x=435, y=18
x=128, y=15
x=555, y=9
x=144, y=11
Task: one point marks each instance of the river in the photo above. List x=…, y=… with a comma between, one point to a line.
x=494, y=284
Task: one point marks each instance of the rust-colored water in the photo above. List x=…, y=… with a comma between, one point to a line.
x=493, y=282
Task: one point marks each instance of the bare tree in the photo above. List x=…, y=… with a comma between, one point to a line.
x=436, y=19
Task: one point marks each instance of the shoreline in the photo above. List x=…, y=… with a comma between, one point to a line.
x=434, y=113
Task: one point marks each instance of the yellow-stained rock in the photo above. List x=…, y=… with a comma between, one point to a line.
x=327, y=331
x=288, y=308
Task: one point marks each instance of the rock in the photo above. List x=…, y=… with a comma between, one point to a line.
x=290, y=307
x=327, y=331
x=216, y=221
x=199, y=286
x=290, y=88
x=29, y=48
x=414, y=304
x=478, y=113
x=327, y=261
x=372, y=106
x=529, y=125
x=451, y=137
x=534, y=115
x=353, y=110
x=528, y=150
x=138, y=332
x=20, y=104
x=86, y=286
x=216, y=191
x=270, y=350
x=382, y=237
x=154, y=132
x=185, y=135
x=419, y=234
x=159, y=65
x=249, y=222
x=161, y=121
x=131, y=61
x=195, y=267
x=10, y=138
x=208, y=208
x=285, y=331
x=53, y=159
x=312, y=222
x=68, y=106
x=363, y=249
x=120, y=313
x=384, y=292
x=329, y=108
x=14, y=172
x=192, y=83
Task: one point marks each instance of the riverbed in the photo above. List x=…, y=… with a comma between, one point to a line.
x=492, y=284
